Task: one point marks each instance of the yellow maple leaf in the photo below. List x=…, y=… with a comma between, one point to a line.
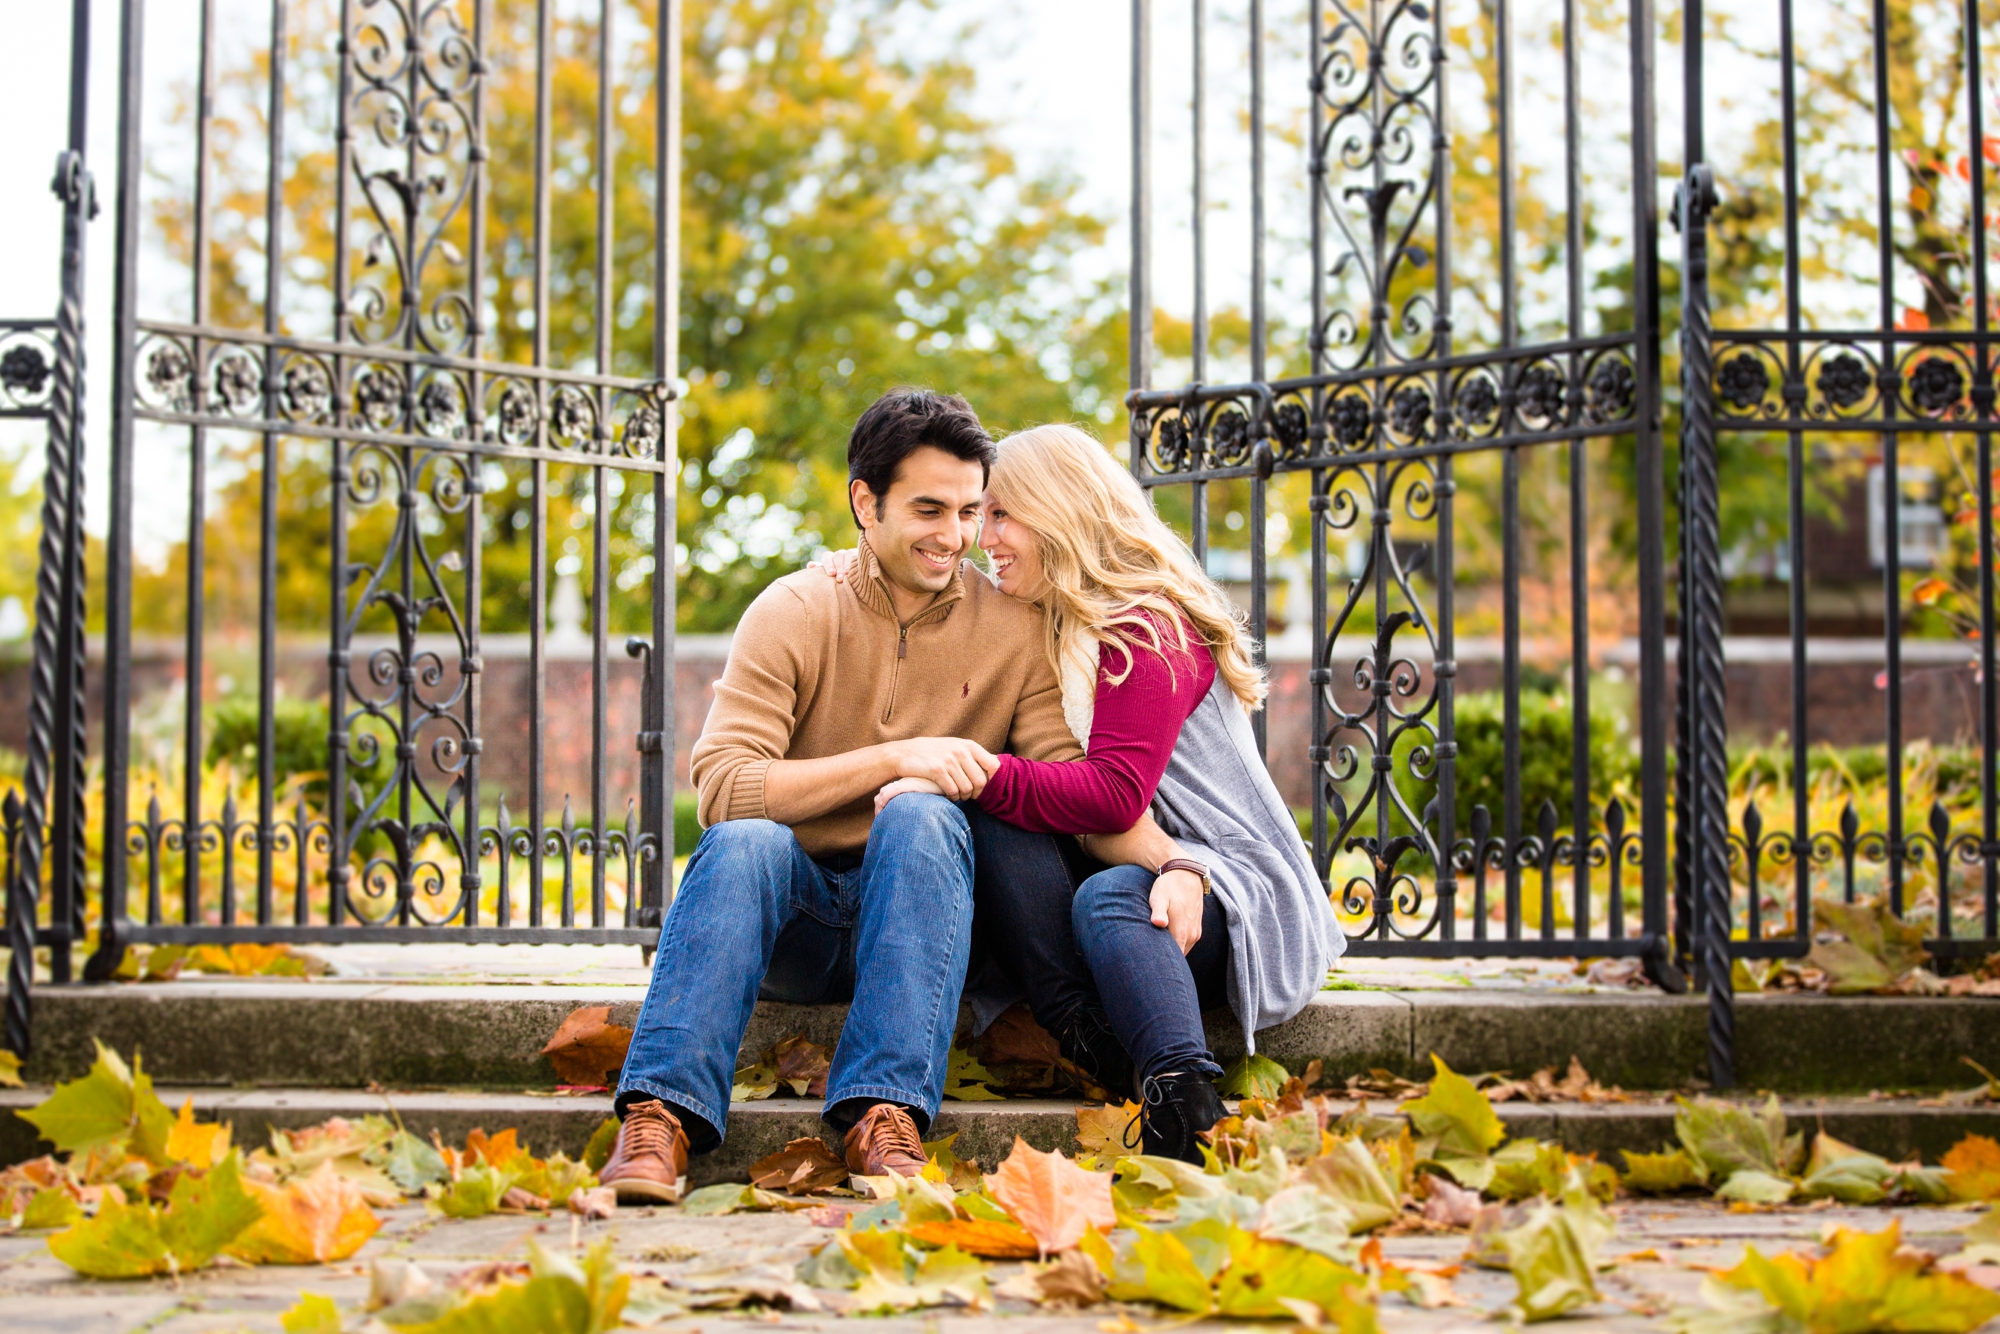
x=314, y=1219
x=1107, y=1129
x=1050, y=1196
x=1974, y=1164
x=195, y=1143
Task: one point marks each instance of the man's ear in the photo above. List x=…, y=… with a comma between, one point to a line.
x=862, y=501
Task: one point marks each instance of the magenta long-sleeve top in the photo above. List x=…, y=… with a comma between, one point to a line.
x=1132, y=734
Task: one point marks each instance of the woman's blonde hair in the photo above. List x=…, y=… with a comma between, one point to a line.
x=1108, y=557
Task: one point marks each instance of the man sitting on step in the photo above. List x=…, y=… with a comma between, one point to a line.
x=916, y=666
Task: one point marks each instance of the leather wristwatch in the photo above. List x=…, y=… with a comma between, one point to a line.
x=1190, y=865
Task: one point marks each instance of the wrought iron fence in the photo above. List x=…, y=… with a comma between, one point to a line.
x=1418, y=393
x=1394, y=398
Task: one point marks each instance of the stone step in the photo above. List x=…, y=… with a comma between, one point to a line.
x=343, y=1034
x=985, y=1130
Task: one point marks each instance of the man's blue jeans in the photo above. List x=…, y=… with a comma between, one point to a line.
x=756, y=916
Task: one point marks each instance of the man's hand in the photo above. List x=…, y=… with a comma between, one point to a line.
x=902, y=785
x=955, y=767
x=1176, y=900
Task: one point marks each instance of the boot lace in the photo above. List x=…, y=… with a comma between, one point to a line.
x=893, y=1130
x=649, y=1132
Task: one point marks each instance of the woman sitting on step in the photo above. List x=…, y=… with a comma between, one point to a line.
x=1121, y=937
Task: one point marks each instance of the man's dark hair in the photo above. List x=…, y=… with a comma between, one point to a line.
x=903, y=421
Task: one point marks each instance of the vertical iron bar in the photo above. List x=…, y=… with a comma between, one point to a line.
x=1982, y=399
x=1795, y=462
x=1139, y=349
x=538, y=520
x=1259, y=484
x=1510, y=476
x=600, y=539
x=1318, y=674
x=118, y=537
x=1198, y=221
x=1892, y=493
x=338, y=865
x=666, y=368
x=1702, y=620
x=267, y=563
x=197, y=549
x=472, y=666
x=1579, y=473
x=1444, y=670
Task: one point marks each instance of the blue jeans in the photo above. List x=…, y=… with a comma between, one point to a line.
x=756, y=916
x=1152, y=994
x=1073, y=933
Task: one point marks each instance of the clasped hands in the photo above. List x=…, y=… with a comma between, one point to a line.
x=959, y=769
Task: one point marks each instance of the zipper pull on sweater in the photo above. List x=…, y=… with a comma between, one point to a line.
x=903, y=643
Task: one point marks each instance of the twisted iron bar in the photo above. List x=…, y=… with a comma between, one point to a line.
x=20, y=937
x=1702, y=626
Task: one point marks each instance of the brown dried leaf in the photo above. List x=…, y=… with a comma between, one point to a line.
x=1051, y=1196
x=1071, y=1279
x=588, y=1048
x=801, y=1063
x=599, y=1203
x=802, y=1167
x=1016, y=1039
x=1449, y=1205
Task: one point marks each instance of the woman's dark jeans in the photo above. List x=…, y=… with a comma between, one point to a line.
x=1072, y=932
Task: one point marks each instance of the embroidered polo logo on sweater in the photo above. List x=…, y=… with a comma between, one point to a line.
x=965, y=690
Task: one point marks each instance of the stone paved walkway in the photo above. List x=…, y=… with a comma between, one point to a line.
x=1662, y=1249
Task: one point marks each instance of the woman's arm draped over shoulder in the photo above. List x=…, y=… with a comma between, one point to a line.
x=1136, y=723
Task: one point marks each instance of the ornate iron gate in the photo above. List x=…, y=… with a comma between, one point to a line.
x=398, y=421
x=1395, y=399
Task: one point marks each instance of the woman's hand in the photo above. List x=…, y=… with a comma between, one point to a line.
x=837, y=564
x=902, y=785
x=1176, y=903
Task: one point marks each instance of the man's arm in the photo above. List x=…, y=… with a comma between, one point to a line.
x=797, y=790
x=738, y=765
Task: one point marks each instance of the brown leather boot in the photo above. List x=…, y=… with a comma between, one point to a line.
x=885, y=1140
x=650, y=1161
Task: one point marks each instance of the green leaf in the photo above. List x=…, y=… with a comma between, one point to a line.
x=410, y=1163
x=710, y=1201
x=896, y=1276
x=1253, y=1077
x=1526, y=1168
x=1351, y=1176
x=559, y=1297
x=1725, y=1138
x=1864, y=1283
x=556, y=1178
x=95, y=1112
x=603, y=1141
x=1167, y=1274
x=1552, y=1257
x=1754, y=1187
x=1456, y=1114
x=1472, y=1172
x=52, y=1207
x=1879, y=947
x=202, y=1215
x=1662, y=1173
x=1265, y=1177
x=1842, y=1172
x=314, y=1314
x=477, y=1192
x=966, y=1079
x=1264, y=1275
x=1304, y=1216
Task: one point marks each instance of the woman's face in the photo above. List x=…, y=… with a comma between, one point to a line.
x=1017, y=561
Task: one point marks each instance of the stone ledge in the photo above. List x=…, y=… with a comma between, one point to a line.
x=337, y=1034
x=986, y=1130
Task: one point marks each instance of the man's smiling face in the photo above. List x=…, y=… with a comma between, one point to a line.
x=927, y=522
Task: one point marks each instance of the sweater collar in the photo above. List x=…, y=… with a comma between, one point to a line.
x=872, y=588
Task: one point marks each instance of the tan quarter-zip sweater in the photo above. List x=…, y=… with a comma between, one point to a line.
x=820, y=668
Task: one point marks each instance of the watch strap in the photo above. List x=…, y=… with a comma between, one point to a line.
x=1189, y=865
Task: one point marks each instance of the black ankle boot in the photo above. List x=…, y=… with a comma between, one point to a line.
x=1177, y=1108
x=1088, y=1042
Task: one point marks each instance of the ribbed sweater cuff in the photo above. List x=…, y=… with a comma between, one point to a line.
x=746, y=792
